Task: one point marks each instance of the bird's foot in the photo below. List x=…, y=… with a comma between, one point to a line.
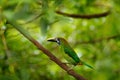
x=71, y=68
x=66, y=63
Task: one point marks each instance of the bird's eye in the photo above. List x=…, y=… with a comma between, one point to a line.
x=58, y=41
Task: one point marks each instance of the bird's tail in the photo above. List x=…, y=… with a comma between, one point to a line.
x=83, y=63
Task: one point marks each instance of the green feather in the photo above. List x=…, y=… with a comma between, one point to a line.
x=69, y=51
x=87, y=65
x=72, y=57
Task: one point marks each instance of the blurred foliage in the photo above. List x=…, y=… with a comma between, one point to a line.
x=21, y=60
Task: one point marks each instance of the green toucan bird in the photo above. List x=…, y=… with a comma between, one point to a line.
x=73, y=57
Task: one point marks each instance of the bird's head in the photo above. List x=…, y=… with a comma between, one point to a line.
x=57, y=40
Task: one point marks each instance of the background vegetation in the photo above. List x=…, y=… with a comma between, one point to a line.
x=96, y=40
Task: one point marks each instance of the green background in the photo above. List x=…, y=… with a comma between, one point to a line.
x=95, y=40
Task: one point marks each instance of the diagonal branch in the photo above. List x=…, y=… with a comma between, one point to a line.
x=45, y=51
x=85, y=16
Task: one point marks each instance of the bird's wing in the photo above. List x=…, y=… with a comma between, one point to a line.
x=71, y=53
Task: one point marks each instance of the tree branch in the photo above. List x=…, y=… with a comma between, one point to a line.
x=34, y=18
x=45, y=51
x=84, y=16
x=3, y=38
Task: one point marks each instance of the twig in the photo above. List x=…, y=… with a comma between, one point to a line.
x=45, y=51
x=7, y=52
x=84, y=16
x=34, y=18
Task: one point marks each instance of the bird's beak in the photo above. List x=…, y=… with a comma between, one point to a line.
x=52, y=40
